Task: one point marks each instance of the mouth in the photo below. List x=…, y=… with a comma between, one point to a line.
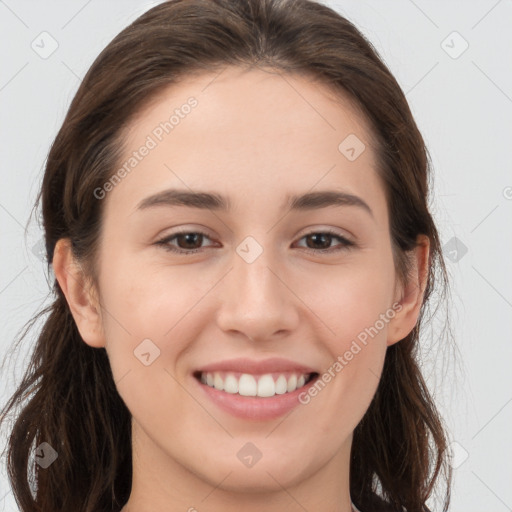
x=255, y=385
x=252, y=389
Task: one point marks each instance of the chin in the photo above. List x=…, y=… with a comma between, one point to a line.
x=268, y=474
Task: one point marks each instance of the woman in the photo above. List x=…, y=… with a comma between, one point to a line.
x=235, y=210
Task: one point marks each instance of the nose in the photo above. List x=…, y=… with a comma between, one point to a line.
x=256, y=299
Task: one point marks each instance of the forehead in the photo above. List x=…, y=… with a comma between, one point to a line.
x=258, y=133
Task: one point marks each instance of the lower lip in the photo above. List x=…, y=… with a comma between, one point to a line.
x=255, y=408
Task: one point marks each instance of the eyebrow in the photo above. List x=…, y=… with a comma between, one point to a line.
x=213, y=201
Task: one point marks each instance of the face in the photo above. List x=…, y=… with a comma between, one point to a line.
x=256, y=283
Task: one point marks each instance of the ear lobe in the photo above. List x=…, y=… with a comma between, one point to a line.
x=411, y=295
x=80, y=295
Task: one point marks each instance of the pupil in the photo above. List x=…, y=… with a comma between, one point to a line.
x=189, y=238
x=319, y=235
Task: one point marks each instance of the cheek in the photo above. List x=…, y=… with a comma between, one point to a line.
x=142, y=304
x=149, y=299
x=350, y=298
x=353, y=303
x=148, y=328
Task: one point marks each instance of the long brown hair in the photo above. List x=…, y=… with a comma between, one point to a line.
x=67, y=396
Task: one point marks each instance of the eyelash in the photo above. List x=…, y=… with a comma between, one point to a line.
x=345, y=243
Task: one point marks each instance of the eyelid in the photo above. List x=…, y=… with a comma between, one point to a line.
x=307, y=231
x=186, y=230
x=165, y=239
x=345, y=243
x=342, y=233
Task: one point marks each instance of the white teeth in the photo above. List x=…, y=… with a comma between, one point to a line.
x=281, y=385
x=217, y=382
x=231, y=384
x=292, y=383
x=249, y=385
x=266, y=386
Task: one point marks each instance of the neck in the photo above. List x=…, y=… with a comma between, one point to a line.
x=161, y=483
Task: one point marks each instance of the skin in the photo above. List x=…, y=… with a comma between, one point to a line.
x=255, y=136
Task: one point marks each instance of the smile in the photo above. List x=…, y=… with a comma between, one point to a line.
x=263, y=386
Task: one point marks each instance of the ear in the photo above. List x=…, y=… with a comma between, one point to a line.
x=80, y=294
x=410, y=296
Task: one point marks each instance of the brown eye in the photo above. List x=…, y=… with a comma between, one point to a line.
x=320, y=241
x=189, y=240
x=186, y=242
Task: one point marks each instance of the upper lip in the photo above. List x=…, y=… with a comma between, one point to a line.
x=244, y=365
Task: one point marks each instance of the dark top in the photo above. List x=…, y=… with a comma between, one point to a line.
x=379, y=505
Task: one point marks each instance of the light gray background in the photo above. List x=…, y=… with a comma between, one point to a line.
x=463, y=107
